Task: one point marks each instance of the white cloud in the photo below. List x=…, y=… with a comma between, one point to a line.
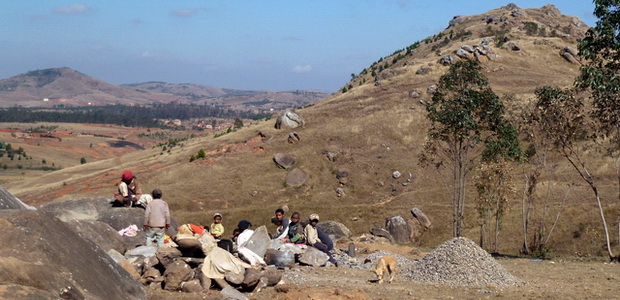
x=183, y=13
x=301, y=69
x=75, y=8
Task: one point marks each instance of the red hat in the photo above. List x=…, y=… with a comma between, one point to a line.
x=127, y=175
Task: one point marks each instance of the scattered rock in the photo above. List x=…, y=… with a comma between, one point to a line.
x=280, y=259
x=414, y=93
x=455, y=20
x=399, y=229
x=290, y=119
x=234, y=278
x=570, y=55
x=338, y=229
x=259, y=241
x=296, y=177
x=284, y=161
x=447, y=60
x=293, y=137
x=463, y=54
x=130, y=268
x=230, y=293
x=313, y=257
x=396, y=174
x=380, y=232
x=176, y=273
x=431, y=89
x=340, y=192
x=192, y=286
x=421, y=216
x=518, y=13
x=167, y=255
x=331, y=156
x=423, y=71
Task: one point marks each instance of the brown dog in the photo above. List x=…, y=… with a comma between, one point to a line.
x=386, y=264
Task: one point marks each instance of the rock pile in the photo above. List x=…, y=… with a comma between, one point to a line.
x=460, y=261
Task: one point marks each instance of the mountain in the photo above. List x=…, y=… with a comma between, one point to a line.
x=374, y=126
x=66, y=86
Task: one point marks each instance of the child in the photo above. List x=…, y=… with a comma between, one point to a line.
x=217, y=229
x=313, y=239
x=156, y=219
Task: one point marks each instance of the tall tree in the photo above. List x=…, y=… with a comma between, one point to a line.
x=465, y=113
x=600, y=74
x=563, y=115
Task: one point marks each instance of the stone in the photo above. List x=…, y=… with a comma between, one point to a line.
x=9, y=201
x=251, y=277
x=290, y=119
x=416, y=230
x=340, y=192
x=396, y=174
x=144, y=251
x=342, y=174
x=234, y=278
x=280, y=259
x=205, y=281
x=296, y=177
x=399, y=229
x=262, y=282
x=273, y=275
x=331, y=156
x=176, y=273
x=339, y=230
x=421, y=216
x=190, y=248
x=167, y=255
x=463, y=54
x=130, y=268
x=102, y=234
x=151, y=275
x=116, y=256
x=380, y=232
x=313, y=257
x=259, y=241
x=230, y=293
x=150, y=262
x=284, y=161
x=192, y=286
x=455, y=20
x=447, y=60
x=467, y=48
x=27, y=261
x=423, y=71
x=351, y=249
x=414, y=93
x=431, y=89
x=293, y=137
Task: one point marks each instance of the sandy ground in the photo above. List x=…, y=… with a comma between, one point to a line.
x=544, y=280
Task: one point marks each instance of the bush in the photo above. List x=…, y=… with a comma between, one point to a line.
x=82, y=160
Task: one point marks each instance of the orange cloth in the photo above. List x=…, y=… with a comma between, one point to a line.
x=197, y=229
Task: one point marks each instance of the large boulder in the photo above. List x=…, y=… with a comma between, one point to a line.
x=380, y=232
x=280, y=259
x=289, y=119
x=41, y=252
x=399, y=229
x=99, y=233
x=284, y=161
x=9, y=201
x=337, y=229
x=259, y=241
x=296, y=177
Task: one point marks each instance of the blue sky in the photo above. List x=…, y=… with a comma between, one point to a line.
x=268, y=45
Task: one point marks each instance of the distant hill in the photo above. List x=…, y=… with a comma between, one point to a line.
x=66, y=86
x=374, y=126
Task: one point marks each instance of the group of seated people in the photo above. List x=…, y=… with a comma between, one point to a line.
x=293, y=230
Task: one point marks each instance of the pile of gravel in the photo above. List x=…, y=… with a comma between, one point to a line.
x=462, y=262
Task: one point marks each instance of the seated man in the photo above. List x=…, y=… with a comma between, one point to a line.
x=282, y=224
x=130, y=193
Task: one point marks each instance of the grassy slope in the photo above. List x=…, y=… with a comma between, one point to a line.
x=375, y=131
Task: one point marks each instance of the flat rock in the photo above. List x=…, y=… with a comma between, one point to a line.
x=177, y=273
x=40, y=251
x=230, y=293
x=280, y=259
x=167, y=255
x=99, y=233
x=296, y=177
x=284, y=161
x=421, y=216
x=9, y=201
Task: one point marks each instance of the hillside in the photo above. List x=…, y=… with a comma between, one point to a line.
x=44, y=88
x=370, y=130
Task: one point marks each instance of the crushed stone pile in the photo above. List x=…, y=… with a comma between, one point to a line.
x=461, y=262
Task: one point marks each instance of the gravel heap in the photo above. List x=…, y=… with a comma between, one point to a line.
x=462, y=262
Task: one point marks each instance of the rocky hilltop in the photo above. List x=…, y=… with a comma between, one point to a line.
x=355, y=155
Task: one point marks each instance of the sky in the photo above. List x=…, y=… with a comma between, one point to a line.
x=237, y=44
